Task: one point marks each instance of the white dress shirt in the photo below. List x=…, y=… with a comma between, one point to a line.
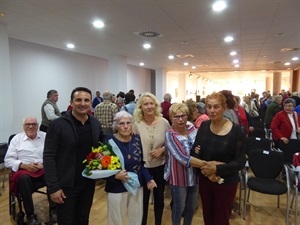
x=24, y=150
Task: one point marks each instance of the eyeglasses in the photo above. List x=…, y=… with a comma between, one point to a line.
x=122, y=124
x=30, y=124
x=179, y=117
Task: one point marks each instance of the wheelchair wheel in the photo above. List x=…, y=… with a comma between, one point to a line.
x=16, y=218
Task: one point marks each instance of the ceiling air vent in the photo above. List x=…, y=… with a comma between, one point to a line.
x=185, y=56
x=148, y=34
x=289, y=49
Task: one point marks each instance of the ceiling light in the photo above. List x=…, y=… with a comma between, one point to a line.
x=147, y=46
x=233, y=53
x=2, y=14
x=228, y=39
x=287, y=64
x=193, y=67
x=235, y=61
x=70, y=45
x=236, y=65
x=142, y=64
x=98, y=24
x=186, y=63
x=295, y=58
x=171, y=56
x=219, y=6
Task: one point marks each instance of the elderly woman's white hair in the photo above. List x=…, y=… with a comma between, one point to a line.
x=121, y=115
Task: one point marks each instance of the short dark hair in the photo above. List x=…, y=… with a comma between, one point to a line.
x=121, y=94
x=129, y=97
x=52, y=91
x=81, y=89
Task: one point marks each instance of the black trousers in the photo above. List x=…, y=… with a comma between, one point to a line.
x=26, y=186
x=158, y=193
x=77, y=205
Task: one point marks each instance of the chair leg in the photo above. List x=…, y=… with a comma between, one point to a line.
x=296, y=206
x=3, y=178
x=245, y=201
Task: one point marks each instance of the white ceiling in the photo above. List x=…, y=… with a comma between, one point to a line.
x=255, y=25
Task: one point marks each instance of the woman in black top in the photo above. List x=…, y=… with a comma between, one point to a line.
x=222, y=146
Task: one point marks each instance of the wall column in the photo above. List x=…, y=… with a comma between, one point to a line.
x=160, y=83
x=269, y=84
x=6, y=101
x=276, y=82
x=117, y=74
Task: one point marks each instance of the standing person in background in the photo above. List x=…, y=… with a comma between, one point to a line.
x=152, y=128
x=123, y=205
x=97, y=100
x=68, y=141
x=105, y=112
x=165, y=105
x=129, y=103
x=201, y=114
x=272, y=110
x=222, y=145
x=49, y=110
x=285, y=125
x=119, y=103
x=25, y=158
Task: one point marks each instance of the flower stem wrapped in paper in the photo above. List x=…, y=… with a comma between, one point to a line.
x=101, y=162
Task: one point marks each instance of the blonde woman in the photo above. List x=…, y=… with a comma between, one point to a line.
x=152, y=127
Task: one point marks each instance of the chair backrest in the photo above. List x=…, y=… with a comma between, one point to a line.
x=10, y=138
x=289, y=149
x=3, y=150
x=258, y=124
x=266, y=164
x=257, y=143
x=258, y=132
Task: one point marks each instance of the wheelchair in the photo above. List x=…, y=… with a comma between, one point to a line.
x=16, y=212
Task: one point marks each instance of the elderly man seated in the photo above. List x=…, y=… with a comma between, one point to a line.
x=25, y=158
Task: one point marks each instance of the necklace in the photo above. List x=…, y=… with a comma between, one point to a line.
x=217, y=130
x=126, y=145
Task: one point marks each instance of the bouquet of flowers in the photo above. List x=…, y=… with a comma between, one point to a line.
x=101, y=162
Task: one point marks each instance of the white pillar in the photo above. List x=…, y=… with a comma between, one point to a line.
x=6, y=106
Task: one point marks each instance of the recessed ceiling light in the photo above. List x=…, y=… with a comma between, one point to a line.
x=171, y=56
x=236, y=65
x=219, y=6
x=147, y=46
x=98, y=24
x=287, y=64
x=142, y=64
x=233, y=53
x=186, y=63
x=193, y=67
x=70, y=45
x=295, y=58
x=228, y=39
x=235, y=61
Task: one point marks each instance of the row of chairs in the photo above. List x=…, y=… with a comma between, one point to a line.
x=271, y=171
